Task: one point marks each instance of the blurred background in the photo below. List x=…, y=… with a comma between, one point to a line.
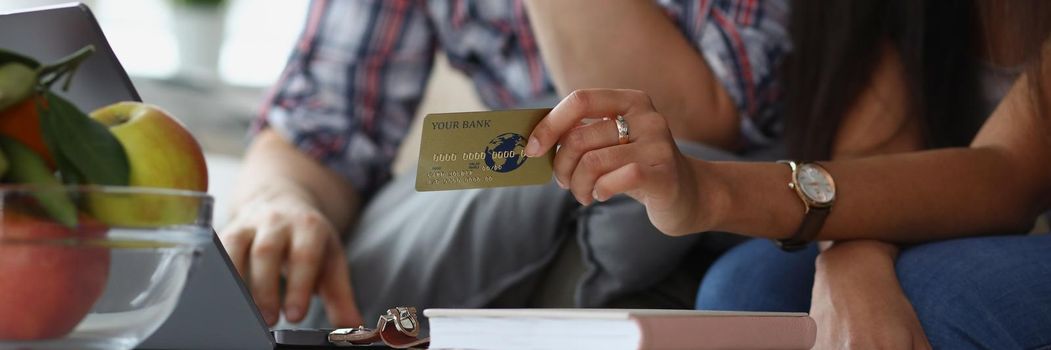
x=210, y=63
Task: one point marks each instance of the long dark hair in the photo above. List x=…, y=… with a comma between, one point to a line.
x=837, y=44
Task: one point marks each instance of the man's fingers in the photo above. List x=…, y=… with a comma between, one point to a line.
x=267, y=252
x=589, y=103
x=579, y=141
x=335, y=289
x=237, y=239
x=303, y=267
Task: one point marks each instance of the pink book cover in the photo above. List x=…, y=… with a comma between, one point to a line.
x=726, y=331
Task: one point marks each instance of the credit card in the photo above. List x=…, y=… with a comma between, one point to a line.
x=480, y=150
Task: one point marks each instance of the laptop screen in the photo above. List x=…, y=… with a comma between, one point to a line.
x=215, y=311
x=52, y=33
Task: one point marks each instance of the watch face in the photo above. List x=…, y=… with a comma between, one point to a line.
x=816, y=183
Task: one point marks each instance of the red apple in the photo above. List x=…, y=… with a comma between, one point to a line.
x=48, y=280
x=162, y=154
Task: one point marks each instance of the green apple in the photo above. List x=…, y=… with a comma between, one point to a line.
x=161, y=154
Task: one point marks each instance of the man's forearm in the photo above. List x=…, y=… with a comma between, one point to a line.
x=633, y=44
x=273, y=167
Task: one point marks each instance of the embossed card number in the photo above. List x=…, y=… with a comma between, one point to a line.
x=480, y=150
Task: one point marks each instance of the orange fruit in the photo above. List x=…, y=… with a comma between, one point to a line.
x=22, y=122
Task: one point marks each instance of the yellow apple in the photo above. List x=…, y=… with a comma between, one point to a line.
x=161, y=154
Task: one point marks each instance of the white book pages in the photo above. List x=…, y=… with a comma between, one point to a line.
x=532, y=333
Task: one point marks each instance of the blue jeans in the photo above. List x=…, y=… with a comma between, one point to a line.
x=971, y=293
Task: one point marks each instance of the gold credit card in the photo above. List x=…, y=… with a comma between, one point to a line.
x=480, y=150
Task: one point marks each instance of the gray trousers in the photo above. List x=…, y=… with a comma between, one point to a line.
x=530, y=246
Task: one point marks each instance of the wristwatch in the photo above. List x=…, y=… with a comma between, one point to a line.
x=814, y=185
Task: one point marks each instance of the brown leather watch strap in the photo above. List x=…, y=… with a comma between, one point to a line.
x=812, y=222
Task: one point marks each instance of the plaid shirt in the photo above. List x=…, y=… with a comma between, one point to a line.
x=358, y=71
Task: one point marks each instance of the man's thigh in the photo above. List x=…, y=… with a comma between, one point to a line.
x=453, y=248
x=474, y=247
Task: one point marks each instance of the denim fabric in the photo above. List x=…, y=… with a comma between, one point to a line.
x=758, y=276
x=972, y=293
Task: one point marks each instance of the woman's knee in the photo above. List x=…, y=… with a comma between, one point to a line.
x=972, y=266
x=992, y=292
x=757, y=276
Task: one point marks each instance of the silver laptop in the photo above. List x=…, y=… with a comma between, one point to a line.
x=216, y=310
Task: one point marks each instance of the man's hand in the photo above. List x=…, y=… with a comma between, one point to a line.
x=857, y=302
x=288, y=213
x=287, y=237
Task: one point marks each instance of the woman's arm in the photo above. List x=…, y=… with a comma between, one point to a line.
x=856, y=288
x=997, y=185
x=858, y=302
x=633, y=44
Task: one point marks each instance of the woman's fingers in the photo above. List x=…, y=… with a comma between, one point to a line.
x=596, y=163
x=580, y=140
x=335, y=289
x=304, y=264
x=588, y=103
x=267, y=254
x=622, y=180
x=591, y=151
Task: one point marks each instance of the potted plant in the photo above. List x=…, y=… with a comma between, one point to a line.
x=199, y=32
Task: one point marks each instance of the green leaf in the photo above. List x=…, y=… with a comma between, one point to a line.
x=3, y=164
x=89, y=150
x=67, y=171
x=28, y=168
x=10, y=56
x=64, y=68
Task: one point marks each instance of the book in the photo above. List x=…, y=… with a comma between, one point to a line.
x=617, y=329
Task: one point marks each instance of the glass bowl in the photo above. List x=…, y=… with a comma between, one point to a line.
x=92, y=267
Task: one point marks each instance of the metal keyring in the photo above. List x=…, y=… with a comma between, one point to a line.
x=622, y=130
